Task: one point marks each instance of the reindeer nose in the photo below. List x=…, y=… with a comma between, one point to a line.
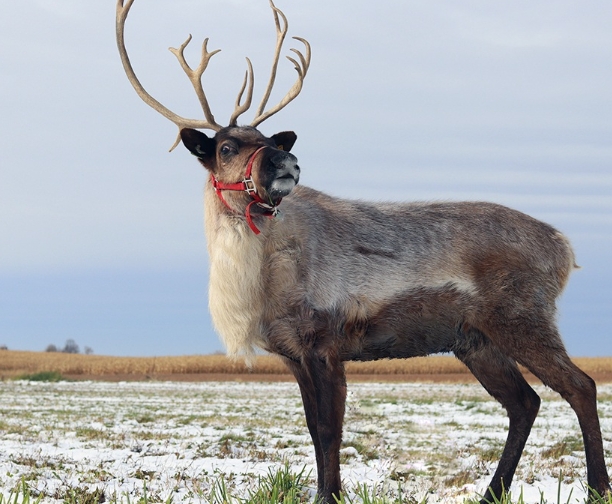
x=285, y=160
x=285, y=165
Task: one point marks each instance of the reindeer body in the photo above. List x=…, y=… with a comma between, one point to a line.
x=370, y=281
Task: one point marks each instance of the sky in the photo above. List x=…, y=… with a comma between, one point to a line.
x=101, y=233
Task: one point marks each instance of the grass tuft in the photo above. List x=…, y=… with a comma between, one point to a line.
x=282, y=486
x=567, y=446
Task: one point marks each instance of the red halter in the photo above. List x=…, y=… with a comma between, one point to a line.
x=247, y=185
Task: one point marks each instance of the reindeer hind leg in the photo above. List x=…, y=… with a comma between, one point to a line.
x=536, y=344
x=500, y=376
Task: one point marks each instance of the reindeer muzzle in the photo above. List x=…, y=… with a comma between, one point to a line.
x=286, y=175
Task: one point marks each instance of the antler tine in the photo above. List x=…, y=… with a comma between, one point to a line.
x=281, y=33
x=195, y=76
x=301, y=69
x=304, y=60
x=181, y=122
x=241, y=109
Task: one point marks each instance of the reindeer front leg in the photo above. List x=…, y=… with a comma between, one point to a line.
x=309, y=400
x=323, y=387
x=330, y=385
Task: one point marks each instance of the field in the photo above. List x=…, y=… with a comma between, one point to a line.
x=88, y=441
x=204, y=428
x=268, y=368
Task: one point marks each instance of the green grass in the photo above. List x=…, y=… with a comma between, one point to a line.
x=277, y=487
x=508, y=498
x=43, y=376
x=280, y=487
x=21, y=495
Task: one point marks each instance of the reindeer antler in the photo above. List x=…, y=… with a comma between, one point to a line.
x=195, y=77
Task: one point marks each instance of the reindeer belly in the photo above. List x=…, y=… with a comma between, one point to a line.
x=414, y=323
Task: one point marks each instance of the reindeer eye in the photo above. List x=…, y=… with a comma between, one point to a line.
x=226, y=150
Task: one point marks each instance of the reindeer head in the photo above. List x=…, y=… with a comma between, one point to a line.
x=239, y=153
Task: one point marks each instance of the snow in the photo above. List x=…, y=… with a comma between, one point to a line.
x=179, y=438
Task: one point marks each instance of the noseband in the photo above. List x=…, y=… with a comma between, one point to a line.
x=247, y=185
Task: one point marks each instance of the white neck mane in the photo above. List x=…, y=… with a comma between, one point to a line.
x=235, y=289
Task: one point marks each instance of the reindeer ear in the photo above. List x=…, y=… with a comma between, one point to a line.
x=284, y=140
x=198, y=143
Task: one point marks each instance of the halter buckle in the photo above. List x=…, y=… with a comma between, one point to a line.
x=249, y=185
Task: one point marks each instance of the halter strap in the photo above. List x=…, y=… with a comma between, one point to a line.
x=247, y=185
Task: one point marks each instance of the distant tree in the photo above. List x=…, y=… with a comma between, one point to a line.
x=3, y=347
x=71, y=347
x=88, y=350
x=51, y=348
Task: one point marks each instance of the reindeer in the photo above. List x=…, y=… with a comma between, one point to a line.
x=327, y=280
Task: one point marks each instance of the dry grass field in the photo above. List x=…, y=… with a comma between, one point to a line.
x=267, y=368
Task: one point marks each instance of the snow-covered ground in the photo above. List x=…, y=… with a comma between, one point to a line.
x=439, y=440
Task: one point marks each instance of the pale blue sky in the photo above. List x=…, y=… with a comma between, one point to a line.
x=101, y=235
